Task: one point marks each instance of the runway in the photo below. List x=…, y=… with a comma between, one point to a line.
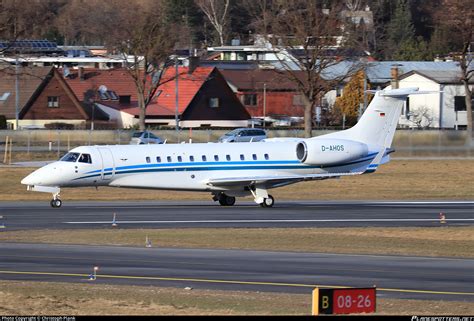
x=394, y=276
x=206, y=214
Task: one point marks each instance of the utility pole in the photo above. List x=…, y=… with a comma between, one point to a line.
x=176, y=94
x=17, y=93
x=264, y=102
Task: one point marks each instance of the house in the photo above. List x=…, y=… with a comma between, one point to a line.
x=444, y=108
x=29, y=80
x=45, y=100
x=267, y=94
x=204, y=98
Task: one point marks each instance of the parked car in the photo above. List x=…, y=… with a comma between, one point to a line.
x=145, y=138
x=243, y=135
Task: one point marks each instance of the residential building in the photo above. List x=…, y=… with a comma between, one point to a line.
x=204, y=98
x=444, y=107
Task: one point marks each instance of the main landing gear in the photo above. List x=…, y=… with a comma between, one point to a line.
x=261, y=197
x=56, y=202
x=224, y=199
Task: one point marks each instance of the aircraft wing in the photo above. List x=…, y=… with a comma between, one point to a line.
x=273, y=179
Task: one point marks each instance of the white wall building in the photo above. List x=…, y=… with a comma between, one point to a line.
x=445, y=108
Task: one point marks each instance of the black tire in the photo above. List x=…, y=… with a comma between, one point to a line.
x=230, y=200
x=56, y=203
x=268, y=202
x=225, y=200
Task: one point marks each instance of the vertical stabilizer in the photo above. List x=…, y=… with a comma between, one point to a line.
x=377, y=125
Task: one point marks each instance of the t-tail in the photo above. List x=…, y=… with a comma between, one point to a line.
x=376, y=128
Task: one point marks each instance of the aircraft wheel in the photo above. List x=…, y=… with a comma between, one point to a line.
x=225, y=200
x=56, y=203
x=230, y=200
x=268, y=202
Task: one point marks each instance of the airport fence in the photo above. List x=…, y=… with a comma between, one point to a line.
x=407, y=143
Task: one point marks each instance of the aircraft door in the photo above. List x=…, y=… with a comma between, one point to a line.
x=108, y=164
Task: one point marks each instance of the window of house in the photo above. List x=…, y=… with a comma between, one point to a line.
x=249, y=99
x=158, y=159
x=338, y=91
x=53, y=101
x=214, y=102
x=459, y=103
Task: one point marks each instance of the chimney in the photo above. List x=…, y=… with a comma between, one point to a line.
x=81, y=73
x=193, y=64
x=394, y=75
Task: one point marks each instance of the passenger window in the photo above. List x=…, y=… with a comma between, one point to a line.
x=191, y=158
x=180, y=159
x=168, y=159
x=242, y=157
x=148, y=160
x=267, y=157
x=85, y=158
x=204, y=158
x=158, y=159
x=228, y=157
x=254, y=156
x=216, y=158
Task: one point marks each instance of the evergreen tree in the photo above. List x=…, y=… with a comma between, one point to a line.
x=401, y=33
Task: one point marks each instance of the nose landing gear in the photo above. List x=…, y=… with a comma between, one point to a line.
x=56, y=202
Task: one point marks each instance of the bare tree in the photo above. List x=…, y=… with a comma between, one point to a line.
x=216, y=11
x=353, y=5
x=421, y=117
x=456, y=15
x=144, y=38
x=313, y=31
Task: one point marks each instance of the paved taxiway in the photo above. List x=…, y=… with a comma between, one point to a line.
x=394, y=276
x=39, y=215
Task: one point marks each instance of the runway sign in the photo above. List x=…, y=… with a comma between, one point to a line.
x=344, y=301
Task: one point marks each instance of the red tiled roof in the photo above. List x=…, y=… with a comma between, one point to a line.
x=117, y=80
x=188, y=86
x=122, y=83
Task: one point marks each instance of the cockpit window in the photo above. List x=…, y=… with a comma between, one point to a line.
x=70, y=157
x=85, y=158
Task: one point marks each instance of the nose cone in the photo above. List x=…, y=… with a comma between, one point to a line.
x=33, y=179
x=45, y=176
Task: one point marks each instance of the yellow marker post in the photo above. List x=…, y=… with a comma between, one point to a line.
x=315, y=308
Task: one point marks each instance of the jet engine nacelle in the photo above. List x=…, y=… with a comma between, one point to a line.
x=329, y=151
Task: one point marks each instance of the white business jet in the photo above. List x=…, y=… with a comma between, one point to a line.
x=230, y=170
